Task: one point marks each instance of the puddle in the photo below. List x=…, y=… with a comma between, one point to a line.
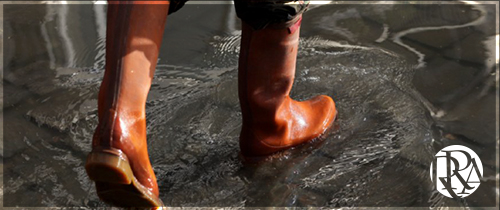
x=408, y=80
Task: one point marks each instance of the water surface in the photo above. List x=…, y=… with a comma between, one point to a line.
x=408, y=80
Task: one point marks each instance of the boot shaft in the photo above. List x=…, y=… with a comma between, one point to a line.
x=266, y=73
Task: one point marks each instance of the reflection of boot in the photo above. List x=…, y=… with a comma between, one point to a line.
x=272, y=121
x=119, y=162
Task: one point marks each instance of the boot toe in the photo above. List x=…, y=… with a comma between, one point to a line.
x=328, y=110
x=316, y=116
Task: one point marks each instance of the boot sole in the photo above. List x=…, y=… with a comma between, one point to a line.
x=115, y=182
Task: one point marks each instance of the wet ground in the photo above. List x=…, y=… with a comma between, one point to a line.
x=408, y=80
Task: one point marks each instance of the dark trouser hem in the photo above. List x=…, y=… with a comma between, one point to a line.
x=175, y=5
x=260, y=14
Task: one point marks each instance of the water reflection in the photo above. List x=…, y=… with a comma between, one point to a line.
x=408, y=80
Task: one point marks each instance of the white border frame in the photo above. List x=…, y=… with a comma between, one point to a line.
x=311, y=2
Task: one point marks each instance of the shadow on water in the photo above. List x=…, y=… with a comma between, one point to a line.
x=407, y=79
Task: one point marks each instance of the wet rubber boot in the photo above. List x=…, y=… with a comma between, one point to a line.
x=119, y=162
x=272, y=121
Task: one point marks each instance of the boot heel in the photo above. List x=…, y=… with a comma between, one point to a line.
x=109, y=165
x=115, y=181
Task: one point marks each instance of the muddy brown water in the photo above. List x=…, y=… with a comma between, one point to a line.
x=408, y=80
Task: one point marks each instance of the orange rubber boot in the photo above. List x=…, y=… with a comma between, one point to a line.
x=272, y=121
x=119, y=162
